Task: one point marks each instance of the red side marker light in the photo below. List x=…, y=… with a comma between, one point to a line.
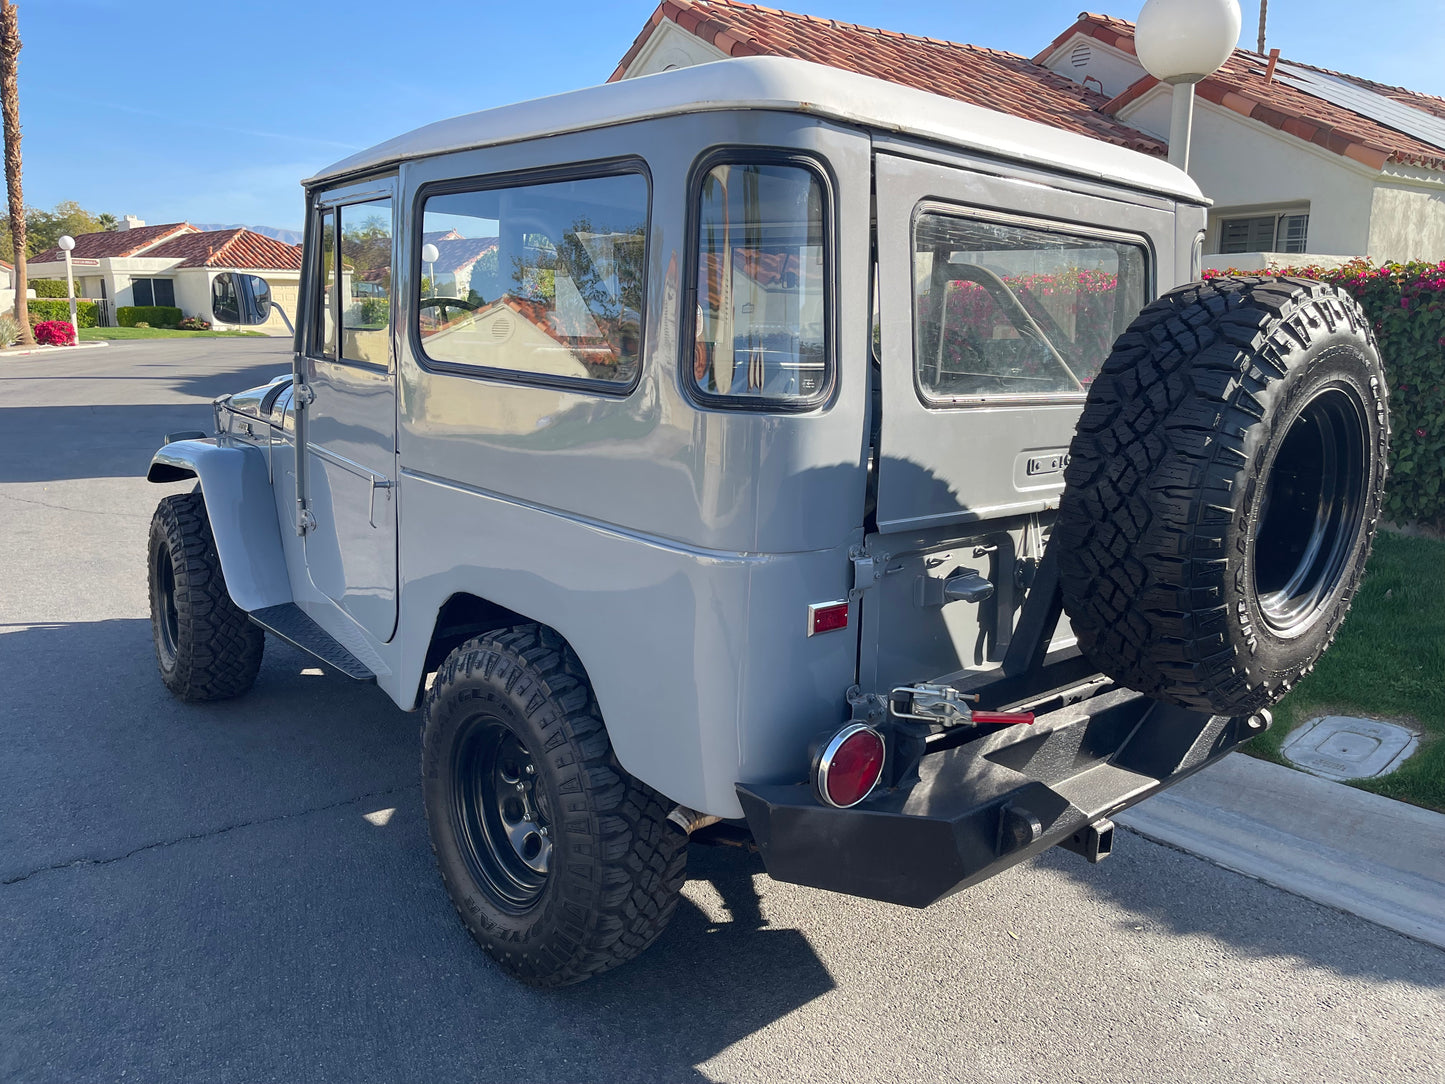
x=848, y=766
x=827, y=617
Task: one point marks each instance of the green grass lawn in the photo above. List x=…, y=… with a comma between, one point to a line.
x=92, y=334
x=1388, y=662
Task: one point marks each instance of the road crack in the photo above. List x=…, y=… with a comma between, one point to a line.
x=68, y=508
x=225, y=829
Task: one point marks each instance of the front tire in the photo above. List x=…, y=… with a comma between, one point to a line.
x=560, y=864
x=206, y=646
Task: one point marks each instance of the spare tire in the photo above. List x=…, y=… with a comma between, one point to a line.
x=1223, y=489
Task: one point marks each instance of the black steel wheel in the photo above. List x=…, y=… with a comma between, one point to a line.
x=1223, y=490
x=560, y=864
x=207, y=648
x=501, y=816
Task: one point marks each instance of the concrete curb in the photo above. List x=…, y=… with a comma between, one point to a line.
x=1379, y=859
x=8, y=353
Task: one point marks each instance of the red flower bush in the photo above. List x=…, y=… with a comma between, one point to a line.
x=54, y=333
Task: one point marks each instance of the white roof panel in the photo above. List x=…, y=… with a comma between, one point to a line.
x=793, y=86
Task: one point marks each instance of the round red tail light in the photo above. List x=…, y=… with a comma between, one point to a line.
x=848, y=766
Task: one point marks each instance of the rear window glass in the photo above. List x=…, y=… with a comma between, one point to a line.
x=761, y=321
x=1007, y=310
x=542, y=280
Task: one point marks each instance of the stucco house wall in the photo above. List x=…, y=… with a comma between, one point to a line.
x=1407, y=219
x=1246, y=167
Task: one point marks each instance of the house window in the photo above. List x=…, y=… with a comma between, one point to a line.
x=153, y=291
x=1264, y=233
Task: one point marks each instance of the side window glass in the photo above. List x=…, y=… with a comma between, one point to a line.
x=761, y=318
x=1005, y=310
x=366, y=282
x=544, y=280
x=323, y=327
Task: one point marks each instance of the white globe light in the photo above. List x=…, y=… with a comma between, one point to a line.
x=1184, y=41
x=429, y=253
x=66, y=242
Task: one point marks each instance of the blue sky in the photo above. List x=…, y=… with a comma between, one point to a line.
x=213, y=112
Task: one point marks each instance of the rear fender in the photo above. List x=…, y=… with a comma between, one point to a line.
x=237, y=486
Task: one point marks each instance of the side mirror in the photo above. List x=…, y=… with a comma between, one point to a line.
x=241, y=299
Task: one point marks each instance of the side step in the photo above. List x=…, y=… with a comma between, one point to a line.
x=290, y=622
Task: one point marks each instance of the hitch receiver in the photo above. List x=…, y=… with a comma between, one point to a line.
x=1094, y=841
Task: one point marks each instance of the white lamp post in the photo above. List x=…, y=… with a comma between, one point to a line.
x=429, y=255
x=1181, y=42
x=67, y=243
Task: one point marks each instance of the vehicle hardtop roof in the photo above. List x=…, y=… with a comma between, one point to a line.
x=794, y=86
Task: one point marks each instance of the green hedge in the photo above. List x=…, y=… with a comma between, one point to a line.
x=154, y=315
x=47, y=287
x=1406, y=304
x=45, y=308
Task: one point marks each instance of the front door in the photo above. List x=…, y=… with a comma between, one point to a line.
x=350, y=367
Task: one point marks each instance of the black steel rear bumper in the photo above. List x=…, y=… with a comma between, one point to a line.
x=979, y=808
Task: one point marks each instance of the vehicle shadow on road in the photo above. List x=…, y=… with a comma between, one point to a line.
x=249, y=883
x=1164, y=889
x=48, y=442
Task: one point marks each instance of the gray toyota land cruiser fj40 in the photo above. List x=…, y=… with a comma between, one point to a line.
x=763, y=453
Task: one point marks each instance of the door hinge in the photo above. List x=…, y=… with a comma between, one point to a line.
x=868, y=569
x=303, y=395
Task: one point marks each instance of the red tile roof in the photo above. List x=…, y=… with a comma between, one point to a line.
x=1240, y=86
x=991, y=78
x=116, y=243
x=458, y=253
x=241, y=249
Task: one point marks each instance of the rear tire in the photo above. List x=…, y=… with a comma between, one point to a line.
x=206, y=646
x=1223, y=490
x=560, y=864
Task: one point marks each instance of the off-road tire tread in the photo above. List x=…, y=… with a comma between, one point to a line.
x=218, y=648
x=631, y=887
x=1157, y=473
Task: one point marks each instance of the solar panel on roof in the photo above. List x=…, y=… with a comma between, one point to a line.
x=1382, y=110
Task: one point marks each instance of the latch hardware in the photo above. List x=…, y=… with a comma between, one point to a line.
x=946, y=706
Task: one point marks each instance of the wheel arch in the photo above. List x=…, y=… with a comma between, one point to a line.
x=460, y=617
x=241, y=508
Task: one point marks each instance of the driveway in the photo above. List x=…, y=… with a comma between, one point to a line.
x=244, y=891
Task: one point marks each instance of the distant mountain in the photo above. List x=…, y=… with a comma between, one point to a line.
x=288, y=237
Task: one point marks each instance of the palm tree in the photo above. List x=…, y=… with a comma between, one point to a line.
x=1263, y=21
x=108, y=222
x=10, y=107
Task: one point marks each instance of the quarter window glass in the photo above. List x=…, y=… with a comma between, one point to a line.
x=1004, y=310
x=544, y=279
x=366, y=281
x=324, y=327
x=761, y=312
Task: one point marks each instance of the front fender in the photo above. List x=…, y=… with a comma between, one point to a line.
x=242, y=509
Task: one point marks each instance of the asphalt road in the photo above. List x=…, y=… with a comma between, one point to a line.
x=244, y=892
